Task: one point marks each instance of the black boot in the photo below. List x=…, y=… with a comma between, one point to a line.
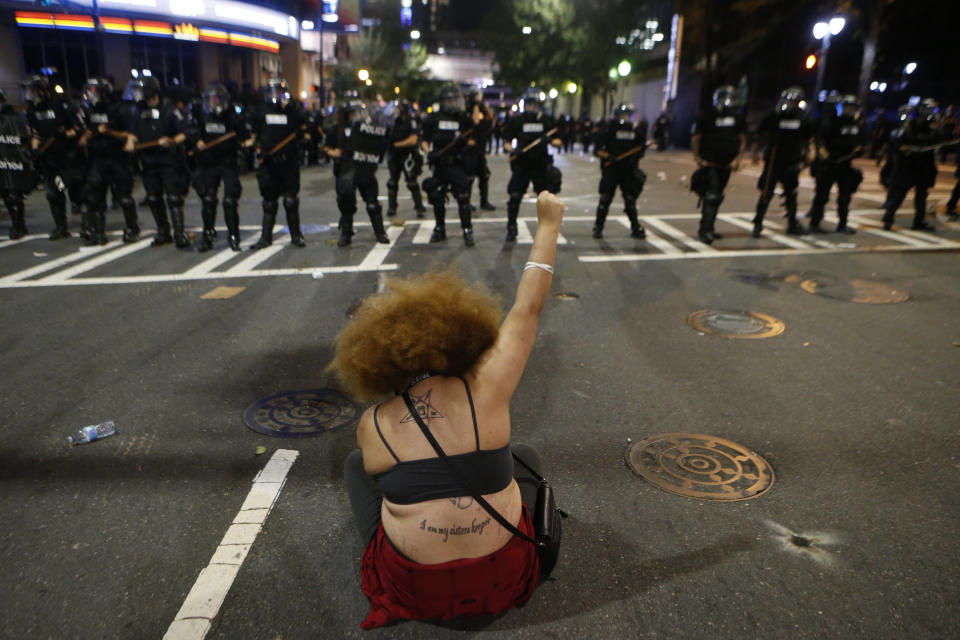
x=376, y=220
x=762, y=205
x=18, y=227
x=843, y=212
x=636, y=227
x=346, y=229
x=440, y=215
x=232, y=219
x=920, y=215
x=513, y=208
x=392, y=201
x=99, y=227
x=466, y=223
x=159, y=212
x=269, y=218
x=208, y=214
x=131, y=232
x=180, y=237
x=417, y=200
x=292, y=207
x=484, y=188
x=59, y=211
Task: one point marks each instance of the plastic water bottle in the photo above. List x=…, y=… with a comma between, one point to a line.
x=93, y=432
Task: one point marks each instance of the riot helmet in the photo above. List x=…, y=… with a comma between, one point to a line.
x=216, y=98
x=95, y=91
x=848, y=105
x=354, y=111
x=725, y=98
x=533, y=100
x=36, y=89
x=791, y=99
x=623, y=112
x=475, y=95
x=927, y=112
x=903, y=112
x=277, y=92
x=144, y=88
x=451, y=101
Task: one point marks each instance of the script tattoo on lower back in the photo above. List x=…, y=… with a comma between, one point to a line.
x=475, y=528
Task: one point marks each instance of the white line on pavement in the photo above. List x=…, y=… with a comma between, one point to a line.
x=261, y=255
x=776, y=237
x=202, y=604
x=664, y=245
x=55, y=264
x=99, y=261
x=424, y=229
x=742, y=253
x=208, y=265
x=675, y=233
x=378, y=253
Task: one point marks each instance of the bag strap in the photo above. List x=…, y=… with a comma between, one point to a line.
x=459, y=476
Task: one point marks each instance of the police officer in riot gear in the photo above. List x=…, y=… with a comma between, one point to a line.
x=913, y=164
x=279, y=127
x=357, y=145
x=221, y=132
x=787, y=131
x=529, y=160
x=16, y=171
x=839, y=139
x=56, y=127
x=446, y=134
x=719, y=137
x=109, y=140
x=160, y=132
x=403, y=156
x=482, y=121
x=620, y=145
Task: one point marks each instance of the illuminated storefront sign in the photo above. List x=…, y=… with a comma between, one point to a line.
x=154, y=28
x=222, y=12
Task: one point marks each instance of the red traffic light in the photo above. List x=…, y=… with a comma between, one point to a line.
x=810, y=62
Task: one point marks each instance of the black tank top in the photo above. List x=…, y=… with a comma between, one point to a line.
x=413, y=481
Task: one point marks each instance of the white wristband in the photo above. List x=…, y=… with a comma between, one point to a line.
x=538, y=265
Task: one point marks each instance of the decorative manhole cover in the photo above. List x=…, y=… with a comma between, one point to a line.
x=296, y=414
x=567, y=296
x=700, y=466
x=861, y=291
x=736, y=324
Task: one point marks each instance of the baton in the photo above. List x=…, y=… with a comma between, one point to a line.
x=932, y=147
x=454, y=141
x=766, y=184
x=282, y=143
x=217, y=141
x=534, y=143
x=147, y=145
x=625, y=154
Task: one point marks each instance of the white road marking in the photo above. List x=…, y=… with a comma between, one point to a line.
x=54, y=264
x=202, y=604
x=261, y=255
x=779, y=238
x=378, y=253
x=424, y=229
x=104, y=258
x=744, y=253
x=219, y=258
x=675, y=233
x=664, y=245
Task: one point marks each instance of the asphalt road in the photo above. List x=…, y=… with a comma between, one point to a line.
x=854, y=406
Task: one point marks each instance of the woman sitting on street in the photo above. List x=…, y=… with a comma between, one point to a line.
x=430, y=550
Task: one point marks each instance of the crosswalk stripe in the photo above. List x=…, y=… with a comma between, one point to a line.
x=50, y=265
x=867, y=226
x=779, y=238
x=102, y=259
x=424, y=229
x=378, y=253
x=219, y=258
x=663, y=245
x=261, y=255
x=676, y=234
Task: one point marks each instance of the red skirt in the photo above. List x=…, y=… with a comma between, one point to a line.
x=400, y=589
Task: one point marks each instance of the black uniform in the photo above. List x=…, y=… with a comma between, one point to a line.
x=720, y=136
x=405, y=160
x=279, y=172
x=534, y=165
x=362, y=145
x=445, y=132
x=16, y=170
x=219, y=164
x=787, y=134
x=661, y=128
x=617, y=137
x=109, y=166
x=911, y=169
x=840, y=138
x=482, y=123
x=955, y=194
x=164, y=169
x=58, y=127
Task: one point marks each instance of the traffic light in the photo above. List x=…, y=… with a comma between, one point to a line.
x=810, y=62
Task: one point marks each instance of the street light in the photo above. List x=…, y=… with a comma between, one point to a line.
x=363, y=75
x=910, y=68
x=553, y=94
x=414, y=35
x=822, y=31
x=572, y=87
x=526, y=31
x=623, y=68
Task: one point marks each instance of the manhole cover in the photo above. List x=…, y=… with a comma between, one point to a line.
x=700, y=466
x=296, y=414
x=736, y=324
x=861, y=291
x=567, y=296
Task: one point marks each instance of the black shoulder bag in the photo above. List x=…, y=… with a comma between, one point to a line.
x=546, y=517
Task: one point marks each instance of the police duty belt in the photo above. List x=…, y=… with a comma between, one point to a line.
x=534, y=143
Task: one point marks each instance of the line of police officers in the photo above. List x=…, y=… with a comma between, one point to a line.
x=83, y=153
